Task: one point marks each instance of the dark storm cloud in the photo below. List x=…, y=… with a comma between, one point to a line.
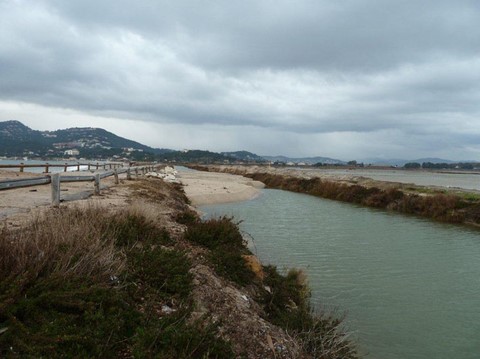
x=403, y=69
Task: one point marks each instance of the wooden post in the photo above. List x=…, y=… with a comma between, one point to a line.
x=97, y=166
x=97, y=184
x=78, y=167
x=115, y=173
x=65, y=167
x=129, y=175
x=55, y=184
x=46, y=167
x=104, y=166
x=89, y=166
x=21, y=167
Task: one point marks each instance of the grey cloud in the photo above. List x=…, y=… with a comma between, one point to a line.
x=402, y=70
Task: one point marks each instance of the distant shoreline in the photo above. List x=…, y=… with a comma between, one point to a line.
x=450, y=205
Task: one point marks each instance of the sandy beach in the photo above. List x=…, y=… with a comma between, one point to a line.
x=21, y=203
x=201, y=188
x=211, y=188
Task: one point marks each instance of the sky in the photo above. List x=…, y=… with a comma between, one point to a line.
x=345, y=79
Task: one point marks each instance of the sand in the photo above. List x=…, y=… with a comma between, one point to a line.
x=17, y=205
x=211, y=188
x=20, y=203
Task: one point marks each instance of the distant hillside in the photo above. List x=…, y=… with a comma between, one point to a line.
x=307, y=160
x=16, y=139
x=197, y=156
x=244, y=156
x=402, y=162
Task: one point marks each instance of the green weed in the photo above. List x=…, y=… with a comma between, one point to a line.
x=227, y=246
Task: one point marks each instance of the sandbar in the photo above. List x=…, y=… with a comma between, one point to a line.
x=204, y=188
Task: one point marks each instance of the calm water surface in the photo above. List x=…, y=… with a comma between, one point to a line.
x=466, y=180
x=410, y=287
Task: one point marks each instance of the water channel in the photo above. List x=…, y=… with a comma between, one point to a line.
x=410, y=288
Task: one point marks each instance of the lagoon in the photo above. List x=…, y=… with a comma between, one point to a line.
x=410, y=287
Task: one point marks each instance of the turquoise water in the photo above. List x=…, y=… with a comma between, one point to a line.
x=410, y=288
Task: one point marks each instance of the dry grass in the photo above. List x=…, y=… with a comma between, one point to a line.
x=72, y=241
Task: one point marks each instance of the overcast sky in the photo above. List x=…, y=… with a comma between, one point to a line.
x=346, y=79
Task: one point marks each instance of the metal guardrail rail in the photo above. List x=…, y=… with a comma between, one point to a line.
x=56, y=179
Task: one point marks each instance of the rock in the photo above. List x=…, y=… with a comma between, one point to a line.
x=167, y=310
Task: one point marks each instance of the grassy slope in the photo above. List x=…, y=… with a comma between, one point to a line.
x=89, y=283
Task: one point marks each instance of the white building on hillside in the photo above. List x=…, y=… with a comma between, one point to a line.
x=73, y=152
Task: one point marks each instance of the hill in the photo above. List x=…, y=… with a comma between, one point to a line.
x=16, y=139
x=244, y=156
x=306, y=160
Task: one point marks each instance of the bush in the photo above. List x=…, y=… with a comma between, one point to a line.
x=287, y=304
x=86, y=283
x=174, y=338
x=227, y=246
x=163, y=271
x=131, y=228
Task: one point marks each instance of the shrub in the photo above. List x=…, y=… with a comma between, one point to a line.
x=174, y=338
x=227, y=246
x=131, y=228
x=163, y=271
x=287, y=304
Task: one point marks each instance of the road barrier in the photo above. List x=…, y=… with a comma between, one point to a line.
x=56, y=179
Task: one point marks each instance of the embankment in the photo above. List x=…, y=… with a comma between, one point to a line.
x=439, y=205
x=135, y=273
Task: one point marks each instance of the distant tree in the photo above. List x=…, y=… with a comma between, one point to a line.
x=352, y=163
x=412, y=165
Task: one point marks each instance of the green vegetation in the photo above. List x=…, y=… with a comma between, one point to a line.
x=85, y=283
x=227, y=246
x=412, y=165
x=286, y=298
x=441, y=166
x=287, y=304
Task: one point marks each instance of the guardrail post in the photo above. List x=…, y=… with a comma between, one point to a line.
x=97, y=184
x=55, y=184
x=46, y=167
x=78, y=167
x=65, y=167
x=97, y=166
x=21, y=167
x=115, y=173
x=89, y=166
x=129, y=175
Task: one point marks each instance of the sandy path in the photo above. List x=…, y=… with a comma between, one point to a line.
x=22, y=202
x=211, y=188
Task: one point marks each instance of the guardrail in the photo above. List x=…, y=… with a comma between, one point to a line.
x=65, y=166
x=56, y=179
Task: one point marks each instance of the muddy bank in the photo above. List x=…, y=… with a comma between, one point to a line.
x=435, y=203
